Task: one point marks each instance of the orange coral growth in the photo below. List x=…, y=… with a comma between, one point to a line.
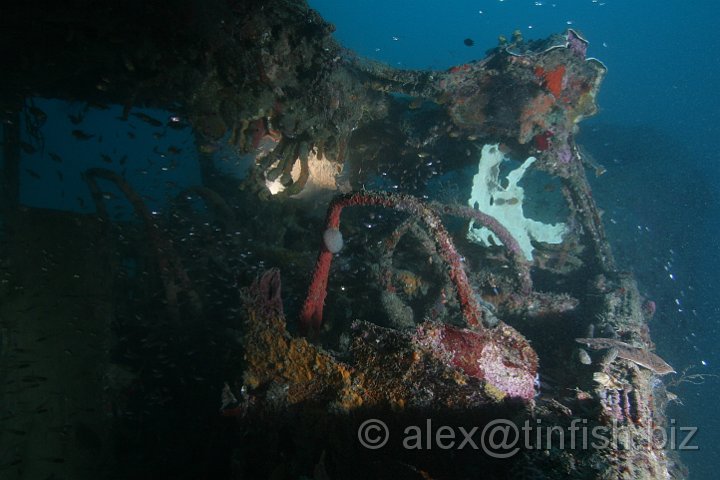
x=552, y=79
x=273, y=356
x=460, y=68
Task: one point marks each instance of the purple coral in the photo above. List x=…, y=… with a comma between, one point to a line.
x=576, y=43
x=565, y=154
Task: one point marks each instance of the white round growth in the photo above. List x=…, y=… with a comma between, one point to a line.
x=332, y=238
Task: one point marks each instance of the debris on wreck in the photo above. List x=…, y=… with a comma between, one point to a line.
x=424, y=367
x=484, y=354
x=437, y=365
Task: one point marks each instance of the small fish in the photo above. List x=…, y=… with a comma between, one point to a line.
x=174, y=150
x=131, y=135
x=129, y=64
x=147, y=119
x=76, y=119
x=53, y=459
x=55, y=157
x=127, y=106
x=33, y=173
x=27, y=148
x=60, y=175
x=80, y=135
x=176, y=123
x=106, y=158
x=208, y=148
x=39, y=115
x=469, y=42
x=506, y=201
x=98, y=105
x=415, y=103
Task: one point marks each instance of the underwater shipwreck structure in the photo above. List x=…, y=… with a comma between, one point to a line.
x=478, y=337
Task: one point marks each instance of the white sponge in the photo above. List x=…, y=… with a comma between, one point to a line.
x=505, y=204
x=333, y=240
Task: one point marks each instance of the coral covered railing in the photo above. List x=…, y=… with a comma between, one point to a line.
x=311, y=315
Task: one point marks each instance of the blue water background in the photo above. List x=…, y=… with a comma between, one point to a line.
x=656, y=134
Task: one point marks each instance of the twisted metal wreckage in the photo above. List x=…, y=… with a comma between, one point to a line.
x=269, y=79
